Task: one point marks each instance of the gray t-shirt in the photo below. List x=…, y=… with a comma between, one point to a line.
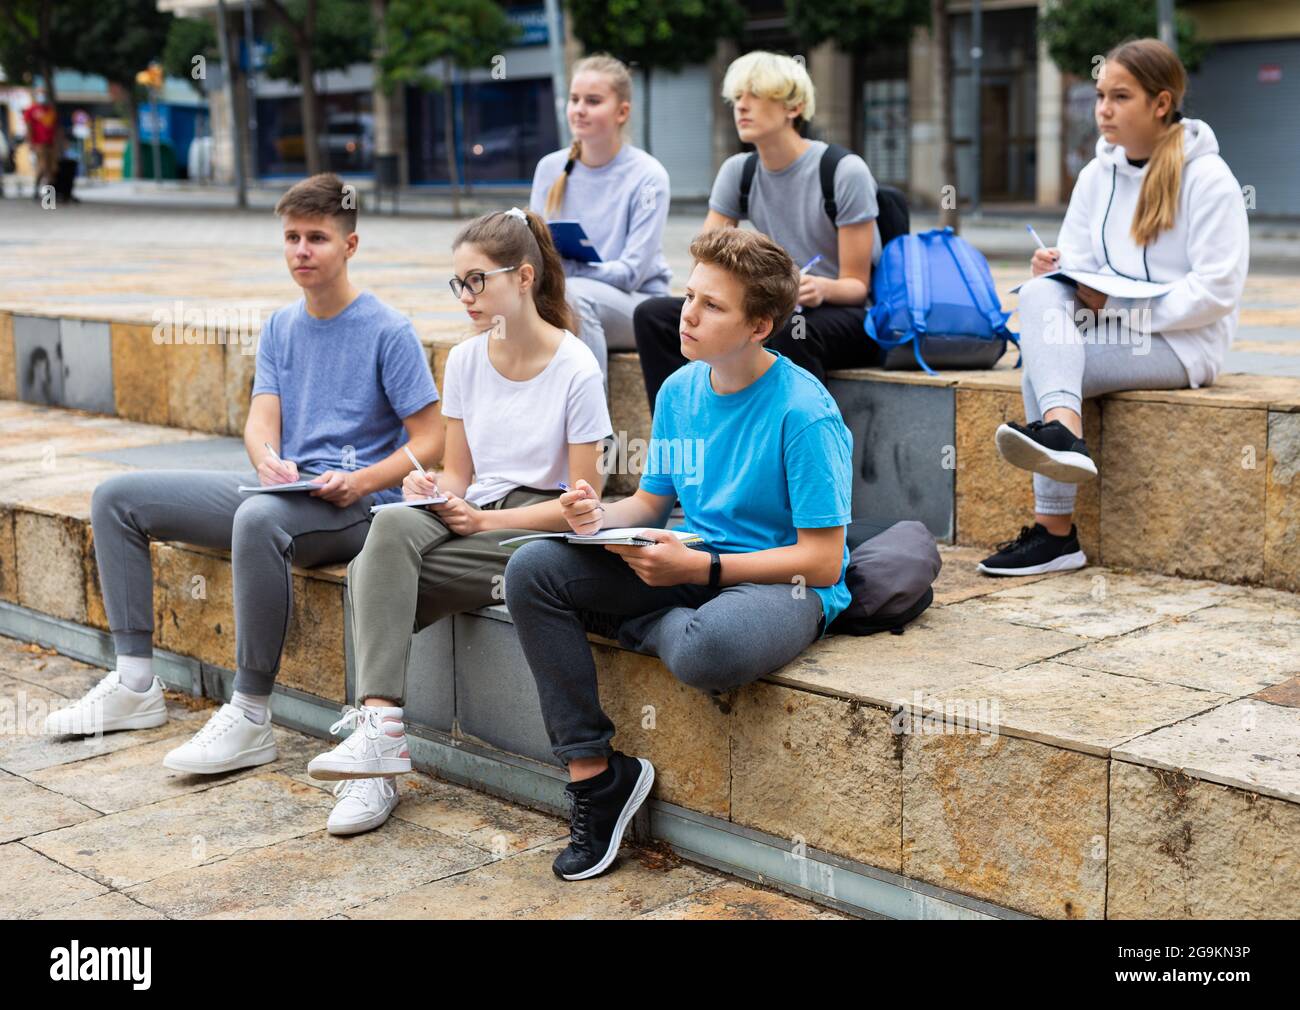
x=787, y=205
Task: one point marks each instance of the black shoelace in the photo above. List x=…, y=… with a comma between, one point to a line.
x=580, y=820
x=1020, y=543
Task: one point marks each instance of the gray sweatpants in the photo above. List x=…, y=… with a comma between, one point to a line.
x=265, y=533
x=604, y=317
x=1064, y=363
x=714, y=640
x=414, y=571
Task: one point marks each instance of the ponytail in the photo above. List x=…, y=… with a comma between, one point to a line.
x=555, y=195
x=1158, y=201
x=508, y=241
x=1157, y=69
x=548, y=290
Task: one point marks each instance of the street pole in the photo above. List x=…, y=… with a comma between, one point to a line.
x=250, y=82
x=560, y=87
x=157, y=141
x=1165, y=20
x=241, y=190
x=976, y=59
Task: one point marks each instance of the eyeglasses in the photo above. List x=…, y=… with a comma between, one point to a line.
x=475, y=280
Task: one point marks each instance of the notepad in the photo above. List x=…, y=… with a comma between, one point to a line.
x=1110, y=285
x=296, y=485
x=572, y=242
x=414, y=501
x=617, y=535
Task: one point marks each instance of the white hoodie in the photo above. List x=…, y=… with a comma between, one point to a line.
x=1205, y=254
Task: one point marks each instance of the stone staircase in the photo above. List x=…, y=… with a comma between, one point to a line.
x=1118, y=742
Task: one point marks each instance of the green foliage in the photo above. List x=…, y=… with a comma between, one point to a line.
x=187, y=38
x=344, y=35
x=857, y=26
x=1079, y=32
x=420, y=33
x=657, y=34
x=117, y=38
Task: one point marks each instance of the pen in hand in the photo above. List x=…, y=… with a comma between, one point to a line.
x=1042, y=244
x=804, y=269
x=422, y=471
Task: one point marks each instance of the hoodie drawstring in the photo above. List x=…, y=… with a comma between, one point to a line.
x=1105, y=217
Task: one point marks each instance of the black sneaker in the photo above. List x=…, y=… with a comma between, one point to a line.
x=1034, y=552
x=1050, y=449
x=600, y=810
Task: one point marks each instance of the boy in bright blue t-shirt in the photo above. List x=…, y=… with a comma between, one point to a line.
x=757, y=452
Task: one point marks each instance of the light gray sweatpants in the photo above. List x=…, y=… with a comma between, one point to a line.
x=265, y=533
x=604, y=316
x=1066, y=360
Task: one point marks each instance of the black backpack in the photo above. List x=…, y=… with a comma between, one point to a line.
x=892, y=217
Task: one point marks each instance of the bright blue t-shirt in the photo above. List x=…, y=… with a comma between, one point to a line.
x=752, y=467
x=344, y=383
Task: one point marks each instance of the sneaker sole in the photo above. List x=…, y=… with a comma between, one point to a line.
x=360, y=827
x=147, y=720
x=328, y=771
x=1064, y=466
x=639, y=792
x=1065, y=563
x=249, y=759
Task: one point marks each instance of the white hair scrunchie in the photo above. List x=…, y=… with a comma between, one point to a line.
x=516, y=212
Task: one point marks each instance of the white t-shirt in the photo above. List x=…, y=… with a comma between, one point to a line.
x=519, y=433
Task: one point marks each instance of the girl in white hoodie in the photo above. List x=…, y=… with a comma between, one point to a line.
x=1156, y=204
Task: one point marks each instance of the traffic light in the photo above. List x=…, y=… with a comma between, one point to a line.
x=152, y=77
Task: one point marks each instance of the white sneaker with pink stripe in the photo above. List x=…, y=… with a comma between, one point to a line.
x=376, y=746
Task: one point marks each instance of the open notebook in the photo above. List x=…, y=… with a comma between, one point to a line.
x=1107, y=284
x=294, y=485
x=408, y=504
x=617, y=535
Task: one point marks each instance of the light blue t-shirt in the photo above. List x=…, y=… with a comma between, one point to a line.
x=344, y=384
x=752, y=467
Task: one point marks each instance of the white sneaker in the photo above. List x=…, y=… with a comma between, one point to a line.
x=363, y=804
x=110, y=705
x=376, y=746
x=230, y=740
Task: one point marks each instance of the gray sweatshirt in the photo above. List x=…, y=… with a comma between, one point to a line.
x=622, y=206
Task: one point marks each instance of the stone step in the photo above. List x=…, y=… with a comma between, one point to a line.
x=1097, y=744
x=1195, y=483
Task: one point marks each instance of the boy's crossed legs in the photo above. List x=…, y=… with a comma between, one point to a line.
x=712, y=639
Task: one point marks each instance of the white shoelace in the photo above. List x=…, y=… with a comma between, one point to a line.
x=100, y=690
x=361, y=789
x=355, y=718
x=218, y=725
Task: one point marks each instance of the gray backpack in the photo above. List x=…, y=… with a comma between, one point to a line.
x=890, y=577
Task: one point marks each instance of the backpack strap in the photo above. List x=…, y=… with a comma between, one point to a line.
x=831, y=157
x=981, y=289
x=747, y=182
x=916, y=279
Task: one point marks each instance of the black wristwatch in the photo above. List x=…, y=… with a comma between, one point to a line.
x=715, y=569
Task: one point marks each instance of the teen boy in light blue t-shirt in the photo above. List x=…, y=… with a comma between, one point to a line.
x=757, y=452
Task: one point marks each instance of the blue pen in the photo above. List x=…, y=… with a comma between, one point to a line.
x=1041, y=243
x=804, y=269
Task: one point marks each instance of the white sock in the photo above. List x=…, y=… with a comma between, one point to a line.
x=135, y=672
x=256, y=707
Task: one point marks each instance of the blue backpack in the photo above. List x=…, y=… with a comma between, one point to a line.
x=934, y=291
